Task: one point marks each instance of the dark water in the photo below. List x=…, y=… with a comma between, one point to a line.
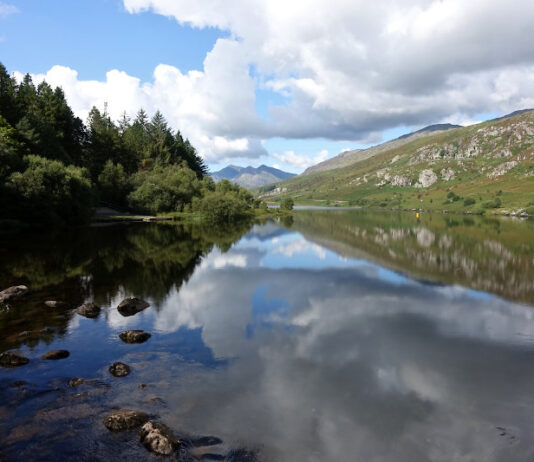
x=334, y=336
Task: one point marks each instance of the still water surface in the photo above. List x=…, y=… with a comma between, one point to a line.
x=332, y=336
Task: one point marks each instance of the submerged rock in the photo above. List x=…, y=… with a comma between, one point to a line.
x=9, y=359
x=134, y=336
x=75, y=382
x=158, y=438
x=124, y=419
x=206, y=441
x=56, y=354
x=12, y=292
x=131, y=306
x=55, y=304
x=89, y=310
x=119, y=369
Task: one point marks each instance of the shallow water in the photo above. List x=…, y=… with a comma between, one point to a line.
x=331, y=336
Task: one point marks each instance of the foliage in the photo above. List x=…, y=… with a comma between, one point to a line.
x=221, y=206
x=469, y=201
x=225, y=202
x=287, y=204
x=164, y=189
x=114, y=184
x=54, y=169
x=492, y=204
x=49, y=191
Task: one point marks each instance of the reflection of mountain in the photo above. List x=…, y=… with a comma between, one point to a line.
x=483, y=254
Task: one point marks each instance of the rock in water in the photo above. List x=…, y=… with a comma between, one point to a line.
x=12, y=292
x=158, y=438
x=9, y=359
x=89, y=310
x=75, y=382
x=56, y=354
x=131, y=306
x=124, y=419
x=55, y=304
x=119, y=369
x=134, y=336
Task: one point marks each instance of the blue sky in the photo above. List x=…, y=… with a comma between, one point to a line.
x=252, y=82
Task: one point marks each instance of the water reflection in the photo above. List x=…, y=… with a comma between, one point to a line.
x=296, y=344
x=493, y=255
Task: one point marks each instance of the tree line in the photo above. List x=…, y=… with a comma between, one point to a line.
x=56, y=169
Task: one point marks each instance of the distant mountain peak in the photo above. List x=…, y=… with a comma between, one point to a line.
x=250, y=177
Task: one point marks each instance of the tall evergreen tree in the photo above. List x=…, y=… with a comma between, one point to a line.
x=8, y=103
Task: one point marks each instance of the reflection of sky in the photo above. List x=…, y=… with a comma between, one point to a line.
x=284, y=345
x=292, y=250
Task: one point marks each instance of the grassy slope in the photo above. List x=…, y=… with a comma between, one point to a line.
x=471, y=152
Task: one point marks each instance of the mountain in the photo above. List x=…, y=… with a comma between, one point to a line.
x=251, y=177
x=487, y=167
x=356, y=155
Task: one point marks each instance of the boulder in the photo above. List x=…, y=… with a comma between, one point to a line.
x=427, y=178
x=131, y=306
x=89, y=310
x=124, y=419
x=9, y=359
x=134, y=336
x=56, y=354
x=158, y=438
x=55, y=304
x=119, y=369
x=12, y=292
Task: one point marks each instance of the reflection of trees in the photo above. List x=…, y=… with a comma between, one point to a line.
x=485, y=254
x=145, y=260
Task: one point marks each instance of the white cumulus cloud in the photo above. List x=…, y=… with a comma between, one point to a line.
x=347, y=69
x=300, y=161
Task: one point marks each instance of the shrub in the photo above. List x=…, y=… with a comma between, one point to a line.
x=164, y=189
x=492, y=204
x=287, y=204
x=48, y=191
x=529, y=211
x=219, y=206
x=469, y=201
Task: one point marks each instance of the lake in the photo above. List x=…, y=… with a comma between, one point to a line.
x=329, y=335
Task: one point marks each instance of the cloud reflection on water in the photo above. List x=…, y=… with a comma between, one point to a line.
x=360, y=366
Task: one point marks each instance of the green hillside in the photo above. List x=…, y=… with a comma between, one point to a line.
x=488, y=167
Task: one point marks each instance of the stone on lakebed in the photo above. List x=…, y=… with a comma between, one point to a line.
x=55, y=304
x=12, y=292
x=9, y=359
x=119, y=369
x=124, y=419
x=158, y=438
x=56, y=354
